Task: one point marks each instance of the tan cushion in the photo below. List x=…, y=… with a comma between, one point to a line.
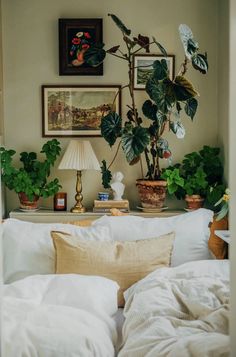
x=117, y=212
x=216, y=245
x=82, y=222
x=124, y=262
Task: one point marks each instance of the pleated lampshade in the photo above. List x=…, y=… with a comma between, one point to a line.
x=79, y=155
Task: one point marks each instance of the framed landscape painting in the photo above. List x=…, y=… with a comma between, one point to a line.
x=73, y=110
x=142, y=68
x=75, y=37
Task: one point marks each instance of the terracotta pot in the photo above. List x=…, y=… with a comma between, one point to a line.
x=216, y=245
x=194, y=201
x=25, y=203
x=152, y=193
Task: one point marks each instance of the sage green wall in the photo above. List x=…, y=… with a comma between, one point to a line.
x=223, y=83
x=232, y=164
x=30, y=49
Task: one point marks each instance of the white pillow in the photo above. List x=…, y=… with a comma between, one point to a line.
x=95, y=294
x=28, y=247
x=191, y=232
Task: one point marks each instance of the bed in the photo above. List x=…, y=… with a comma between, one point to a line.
x=62, y=282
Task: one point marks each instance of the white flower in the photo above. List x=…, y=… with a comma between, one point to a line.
x=79, y=34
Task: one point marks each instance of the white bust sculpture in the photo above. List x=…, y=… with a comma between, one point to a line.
x=117, y=186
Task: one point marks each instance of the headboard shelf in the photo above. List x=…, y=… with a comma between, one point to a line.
x=51, y=216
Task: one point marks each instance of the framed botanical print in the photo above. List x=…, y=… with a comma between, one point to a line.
x=75, y=37
x=142, y=68
x=77, y=110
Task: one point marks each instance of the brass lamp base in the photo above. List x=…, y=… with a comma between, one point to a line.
x=78, y=207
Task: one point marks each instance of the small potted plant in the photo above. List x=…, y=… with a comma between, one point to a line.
x=167, y=97
x=31, y=180
x=224, y=205
x=197, y=179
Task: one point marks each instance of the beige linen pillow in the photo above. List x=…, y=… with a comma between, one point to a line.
x=123, y=262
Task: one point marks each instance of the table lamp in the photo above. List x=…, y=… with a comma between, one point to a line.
x=79, y=156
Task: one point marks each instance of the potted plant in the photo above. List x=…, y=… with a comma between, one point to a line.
x=198, y=178
x=224, y=205
x=31, y=180
x=167, y=97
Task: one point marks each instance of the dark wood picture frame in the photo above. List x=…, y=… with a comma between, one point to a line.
x=139, y=79
x=75, y=36
x=77, y=110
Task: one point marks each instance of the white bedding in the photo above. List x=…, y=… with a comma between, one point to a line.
x=178, y=312
x=58, y=316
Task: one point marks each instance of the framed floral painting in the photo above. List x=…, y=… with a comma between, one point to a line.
x=77, y=110
x=75, y=37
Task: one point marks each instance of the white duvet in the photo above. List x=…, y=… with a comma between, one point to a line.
x=59, y=316
x=178, y=312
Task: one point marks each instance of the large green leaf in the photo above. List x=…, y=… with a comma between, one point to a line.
x=153, y=129
x=151, y=86
x=106, y=175
x=160, y=69
x=95, y=55
x=186, y=36
x=192, y=46
x=134, y=142
x=111, y=127
x=149, y=110
x=120, y=24
x=183, y=89
x=200, y=63
x=191, y=107
x=161, y=92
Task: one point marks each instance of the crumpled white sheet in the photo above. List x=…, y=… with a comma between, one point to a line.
x=59, y=316
x=178, y=312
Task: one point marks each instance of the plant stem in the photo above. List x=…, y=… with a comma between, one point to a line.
x=115, y=55
x=116, y=153
x=121, y=88
x=141, y=167
x=148, y=163
x=143, y=47
x=183, y=67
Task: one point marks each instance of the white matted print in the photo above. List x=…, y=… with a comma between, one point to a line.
x=77, y=110
x=142, y=68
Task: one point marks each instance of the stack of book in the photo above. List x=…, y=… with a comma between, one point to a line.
x=106, y=206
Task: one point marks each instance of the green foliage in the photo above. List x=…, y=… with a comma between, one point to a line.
x=191, y=107
x=106, y=175
x=95, y=55
x=200, y=63
x=167, y=96
x=32, y=177
x=174, y=180
x=201, y=173
x=134, y=141
x=111, y=127
x=224, y=204
x=197, y=183
x=120, y=24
